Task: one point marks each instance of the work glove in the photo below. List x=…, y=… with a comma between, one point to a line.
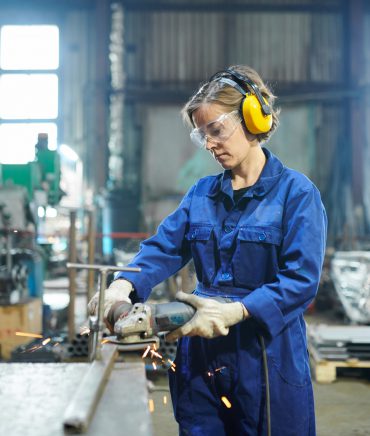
x=211, y=319
x=119, y=290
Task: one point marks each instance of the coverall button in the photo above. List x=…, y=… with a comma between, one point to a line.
x=262, y=236
x=193, y=235
x=228, y=229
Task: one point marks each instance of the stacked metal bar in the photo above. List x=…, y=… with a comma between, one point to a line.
x=340, y=342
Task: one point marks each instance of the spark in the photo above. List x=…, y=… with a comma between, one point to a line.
x=154, y=353
x=220, y=368
x=46, y=341
x=29, y=335
x=226, y=402
x=146, y=351
x=151, y=405
x=154, y=365
x=164, y=399
x=104, y=341
x=172, y=363
x=34, y=348
x=173, y=368
x=56, y=344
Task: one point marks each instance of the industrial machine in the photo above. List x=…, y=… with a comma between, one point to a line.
x=20, y=258
x=24, y=189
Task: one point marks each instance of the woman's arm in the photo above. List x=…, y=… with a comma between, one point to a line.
x=164, y=253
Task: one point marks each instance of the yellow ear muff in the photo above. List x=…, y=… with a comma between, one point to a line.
x=255, y=121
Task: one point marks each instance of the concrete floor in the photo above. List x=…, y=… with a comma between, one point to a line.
x=342, y=408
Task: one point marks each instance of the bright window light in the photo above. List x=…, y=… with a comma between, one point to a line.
x=17, y=141
x=68, y=153
x=29, y=48
x=28, y=96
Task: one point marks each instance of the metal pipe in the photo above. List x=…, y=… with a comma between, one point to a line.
x=9, y=263
x=80, y=410
x=90, y=252
x=72, y=275
x=99, y=335
x=97, y=267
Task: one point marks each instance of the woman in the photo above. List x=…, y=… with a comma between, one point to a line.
x=257, y=235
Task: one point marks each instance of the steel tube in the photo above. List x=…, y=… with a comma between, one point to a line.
x=72, y=265
x=91, y=253
x=72, y=276
x=80, y=410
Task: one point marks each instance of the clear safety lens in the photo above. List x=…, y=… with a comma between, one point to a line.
x=218, y=130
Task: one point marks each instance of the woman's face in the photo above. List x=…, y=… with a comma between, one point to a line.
x=223, y=135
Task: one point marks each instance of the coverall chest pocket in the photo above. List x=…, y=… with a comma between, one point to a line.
x=202, y=249
x=256, y=256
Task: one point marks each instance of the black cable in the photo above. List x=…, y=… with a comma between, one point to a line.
x=267, y=384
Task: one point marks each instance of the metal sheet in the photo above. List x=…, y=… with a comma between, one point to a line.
x=123, y=408
x=33, y=398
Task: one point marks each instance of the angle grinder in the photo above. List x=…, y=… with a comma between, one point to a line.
x=136, y=326
x=140, y=323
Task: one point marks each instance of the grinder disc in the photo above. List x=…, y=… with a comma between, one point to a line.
x=141, y=344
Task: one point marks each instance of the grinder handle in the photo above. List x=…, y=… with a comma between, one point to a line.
x=170, y=316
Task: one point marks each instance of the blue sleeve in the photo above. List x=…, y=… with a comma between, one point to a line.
x=275, y=304
x=163, y=254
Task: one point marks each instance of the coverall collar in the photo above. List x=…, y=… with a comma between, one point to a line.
x=268, y=178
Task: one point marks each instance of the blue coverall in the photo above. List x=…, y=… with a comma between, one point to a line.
x=266, y=251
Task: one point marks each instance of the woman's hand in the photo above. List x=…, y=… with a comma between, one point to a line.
x=211, y=319
x=119, y=290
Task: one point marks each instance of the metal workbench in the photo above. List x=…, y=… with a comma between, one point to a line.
x=34, y=397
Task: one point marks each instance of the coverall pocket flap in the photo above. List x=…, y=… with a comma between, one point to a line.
x=199, y=233
x=266, y=235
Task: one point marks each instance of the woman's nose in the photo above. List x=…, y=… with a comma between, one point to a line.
x=209, y=144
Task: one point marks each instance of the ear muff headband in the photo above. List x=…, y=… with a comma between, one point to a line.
x=254, y=108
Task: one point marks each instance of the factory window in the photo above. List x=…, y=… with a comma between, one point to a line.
x=29, y=62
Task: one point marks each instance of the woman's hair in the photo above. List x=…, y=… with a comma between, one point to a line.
x=225, y=95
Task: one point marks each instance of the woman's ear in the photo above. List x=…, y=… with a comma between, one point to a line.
x=250, y=136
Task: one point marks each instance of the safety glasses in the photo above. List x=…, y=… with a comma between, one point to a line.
x=218, y=130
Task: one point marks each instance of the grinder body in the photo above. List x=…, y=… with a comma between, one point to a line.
x=133, y=323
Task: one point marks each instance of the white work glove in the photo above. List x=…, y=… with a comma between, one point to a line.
x=211, y=318
x=119, y=290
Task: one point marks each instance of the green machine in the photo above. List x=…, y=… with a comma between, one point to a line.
x=43, y=174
